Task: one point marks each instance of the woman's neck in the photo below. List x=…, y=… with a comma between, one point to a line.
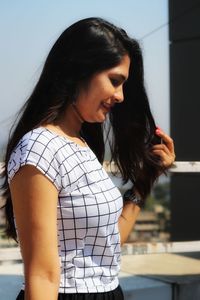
x=69, y=123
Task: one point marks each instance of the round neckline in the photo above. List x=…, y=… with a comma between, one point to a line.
x=65, y=138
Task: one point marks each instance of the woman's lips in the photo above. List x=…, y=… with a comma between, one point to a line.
x=106, y=106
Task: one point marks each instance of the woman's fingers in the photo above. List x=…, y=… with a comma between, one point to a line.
x=167, y=159
x=166, y=139
x=162, y=147
x=165, y=150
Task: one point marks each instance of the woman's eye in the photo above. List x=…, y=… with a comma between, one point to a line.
x=114, y=82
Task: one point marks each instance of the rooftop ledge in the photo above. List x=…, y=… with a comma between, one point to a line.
x=177, y=167
x=167, y=271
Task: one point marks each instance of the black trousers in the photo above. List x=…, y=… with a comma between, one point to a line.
x=116, y=294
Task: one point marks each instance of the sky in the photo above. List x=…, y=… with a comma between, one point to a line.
x=28, y=29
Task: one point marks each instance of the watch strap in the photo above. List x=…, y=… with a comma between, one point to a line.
x=130, y=195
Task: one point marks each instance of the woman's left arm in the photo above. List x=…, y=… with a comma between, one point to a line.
x=130, y=211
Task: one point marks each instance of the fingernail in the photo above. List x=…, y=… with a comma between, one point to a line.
x=157, y=127
x=158, y=131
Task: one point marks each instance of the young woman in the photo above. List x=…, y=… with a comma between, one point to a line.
x=69, y=217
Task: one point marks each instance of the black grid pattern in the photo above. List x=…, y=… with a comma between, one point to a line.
x=88, y=209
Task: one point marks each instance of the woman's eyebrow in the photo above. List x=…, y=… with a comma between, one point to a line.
x=121, y=77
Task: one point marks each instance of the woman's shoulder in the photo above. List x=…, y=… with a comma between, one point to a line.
x=39, y=135
x=37, y=148
x=37, y=143
x=39, y=139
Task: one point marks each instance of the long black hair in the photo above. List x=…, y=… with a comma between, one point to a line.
x=89, y=46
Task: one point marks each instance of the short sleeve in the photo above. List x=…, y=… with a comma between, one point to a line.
x=39, y=151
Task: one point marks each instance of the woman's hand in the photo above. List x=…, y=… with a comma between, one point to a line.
x=165, y=150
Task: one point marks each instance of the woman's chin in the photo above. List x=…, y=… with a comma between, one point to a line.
x=100, y=118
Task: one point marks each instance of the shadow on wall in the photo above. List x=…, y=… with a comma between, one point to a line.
x=153, y=287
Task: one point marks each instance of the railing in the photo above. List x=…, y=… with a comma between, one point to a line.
x=185, y=167
x=178, y=167
x=155, y=248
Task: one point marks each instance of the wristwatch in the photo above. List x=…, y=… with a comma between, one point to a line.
x=130, y=195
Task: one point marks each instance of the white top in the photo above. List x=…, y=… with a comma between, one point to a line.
x=88, y=209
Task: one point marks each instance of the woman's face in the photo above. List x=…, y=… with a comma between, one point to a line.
x=104, y=90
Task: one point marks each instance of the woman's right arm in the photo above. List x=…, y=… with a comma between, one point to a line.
x=34, y=199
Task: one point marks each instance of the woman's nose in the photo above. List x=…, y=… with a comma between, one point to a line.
x=119, y=95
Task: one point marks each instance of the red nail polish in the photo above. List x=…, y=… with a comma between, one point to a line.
x=158, y=131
